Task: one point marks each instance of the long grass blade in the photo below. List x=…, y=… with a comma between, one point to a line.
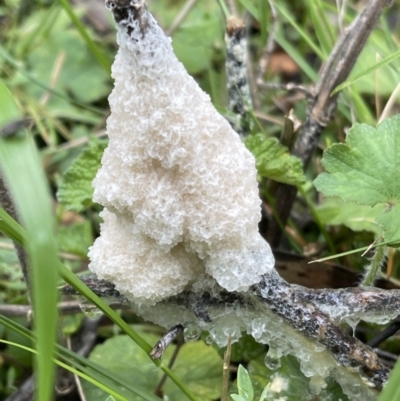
x=96, y=51
x=387, y=60
x=26, y=180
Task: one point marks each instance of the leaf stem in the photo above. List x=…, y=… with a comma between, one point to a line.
x=374, y=268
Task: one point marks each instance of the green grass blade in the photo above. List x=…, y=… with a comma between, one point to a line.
x=113, y=381
x=391, y=391
x=387, y=60
x=302, y=33
x=27, y=183
x=321, y=27
x=96, y=51
x=263, y=13
x=364, y=248
x=78, y=361
x=251, y=8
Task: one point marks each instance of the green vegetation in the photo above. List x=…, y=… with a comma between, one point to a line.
x=55, y=59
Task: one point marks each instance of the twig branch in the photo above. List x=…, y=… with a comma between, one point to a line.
x=385, y=334
x=159, y=349
x=7, y=204
x=309, y=312
x=290, y=87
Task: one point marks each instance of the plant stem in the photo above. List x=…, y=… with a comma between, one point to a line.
x=374, y=268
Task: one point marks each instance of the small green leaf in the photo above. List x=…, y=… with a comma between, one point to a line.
x=274, y=161
x=122, y=356
x=365, y=170
x=264, y=394
x=75, y=191
x=110, y=398
x=245, y=388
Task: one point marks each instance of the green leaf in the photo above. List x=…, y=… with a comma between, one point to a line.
x=274, y=161
x=75, y=191
x=264, y=394
x=110, y=398
x=202, y=375
x=245, y=388
x=334, y=211
x=365, y=170
x=123, y=357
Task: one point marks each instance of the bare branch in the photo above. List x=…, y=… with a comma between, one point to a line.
x=159, y=349
x=309, y=312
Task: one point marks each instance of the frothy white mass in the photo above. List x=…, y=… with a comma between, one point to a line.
x=178, y=186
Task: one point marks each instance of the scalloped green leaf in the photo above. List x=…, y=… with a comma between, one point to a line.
x=75, y=191
x=366, y=170
x=274, y=161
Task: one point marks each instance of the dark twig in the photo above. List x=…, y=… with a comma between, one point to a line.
x=323, y=106
x=290, y=87
x=385, y=334
x=159, y=349
x=25, y=391
x=158, y=390
x=7, y=204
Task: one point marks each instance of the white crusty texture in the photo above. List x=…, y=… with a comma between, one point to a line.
x=178, y=186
